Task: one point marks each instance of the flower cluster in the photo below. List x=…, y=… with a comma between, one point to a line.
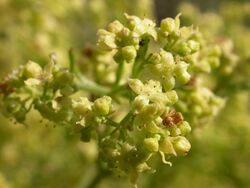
x=146, y=68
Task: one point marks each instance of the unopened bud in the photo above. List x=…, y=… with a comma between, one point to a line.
x=129, y=53
x=82, y=106
x=181, y=146
x=32, y=70
x=168, y=25
x=102, y=106
x=151, y=144
x=185, y=128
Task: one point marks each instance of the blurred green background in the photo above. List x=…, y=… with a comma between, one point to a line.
x=47, y=157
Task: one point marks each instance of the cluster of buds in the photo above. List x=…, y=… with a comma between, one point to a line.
x=40, y=87
x=198, y=103
x=221, y=57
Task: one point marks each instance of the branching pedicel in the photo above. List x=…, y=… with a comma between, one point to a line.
x=155, y=71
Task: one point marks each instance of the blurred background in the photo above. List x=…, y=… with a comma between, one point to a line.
x=45, y=156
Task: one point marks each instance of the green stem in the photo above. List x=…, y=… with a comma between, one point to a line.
x=139, y=61
x=119, y=73
x=71, y=60
x=122, y=123
x=92, y=87
x=84, y=83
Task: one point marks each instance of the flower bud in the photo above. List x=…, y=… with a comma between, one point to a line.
x=106, y=40
x=115, y=27
x=183, y=49
x=133, y=21
x=185, y=128
x=102, y=106
x=32, y=70
x=181, y=146
x=82, y=106
x=151, y=144
x=129, y=53
x=184, y=78
x=166, y=57
x=63, y=78
x=193, y=46
x=214, y=62
x=142, y=167
x=153, y=110
x=197, y=109
x=215, y=51
x=124, y=33
x=166, y=146
x=136, y=85
x=154, y=129
x=172, y=97
x=181, y=72
x=67, y=90
x=168, y=25
x=168, y=83
x=175, y=131
x=140, y=102
x=155, y=58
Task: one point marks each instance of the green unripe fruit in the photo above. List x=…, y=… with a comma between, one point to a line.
x=102, y=106
x=181, y=146
x=151, y=144
x=168, y=25
x=129, y=53
x=185, y=128
x=32, y=70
